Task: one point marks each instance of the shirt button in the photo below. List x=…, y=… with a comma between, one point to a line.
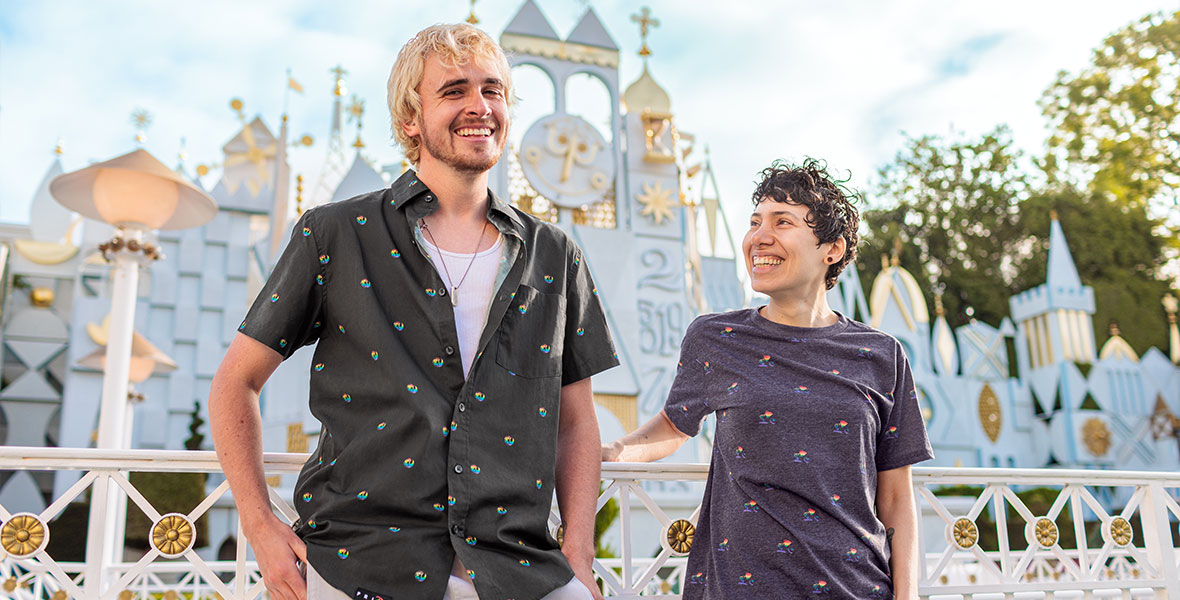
x=458, y=468
x=457, y=529
x=462, y=407
x=503, y=297
x=449, y=350
x=429, y=198
x=442, y=291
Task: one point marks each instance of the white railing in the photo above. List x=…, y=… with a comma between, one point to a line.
x=965, y=541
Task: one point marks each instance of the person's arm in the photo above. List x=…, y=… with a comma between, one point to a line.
x=654, y=440
x=577, y=478
x=896, y=509
x=236, y=425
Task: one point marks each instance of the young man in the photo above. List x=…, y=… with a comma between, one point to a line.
x=817, y=419
x=456, y=337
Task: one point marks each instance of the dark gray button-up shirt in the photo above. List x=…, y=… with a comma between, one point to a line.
x=415, y=462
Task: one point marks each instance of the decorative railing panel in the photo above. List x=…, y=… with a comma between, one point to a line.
x=995, y=541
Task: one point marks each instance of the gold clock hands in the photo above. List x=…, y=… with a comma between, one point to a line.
x=571, y=152
x=586, y=153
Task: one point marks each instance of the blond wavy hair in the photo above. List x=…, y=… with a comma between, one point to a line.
x=455, y=44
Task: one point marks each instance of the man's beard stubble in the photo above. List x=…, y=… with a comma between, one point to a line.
x=446, y=153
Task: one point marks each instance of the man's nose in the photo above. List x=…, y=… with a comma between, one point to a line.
x=479, y=106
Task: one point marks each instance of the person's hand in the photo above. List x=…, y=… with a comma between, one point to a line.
x=585, y=574
x=611, y=451
x=277, y=549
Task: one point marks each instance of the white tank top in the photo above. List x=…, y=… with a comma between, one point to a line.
x=474, y=293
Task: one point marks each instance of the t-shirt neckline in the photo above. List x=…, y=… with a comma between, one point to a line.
x=757, y=320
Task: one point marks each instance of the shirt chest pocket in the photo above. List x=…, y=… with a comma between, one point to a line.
x=532, y=334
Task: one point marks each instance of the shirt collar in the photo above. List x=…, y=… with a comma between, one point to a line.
x=409, y=193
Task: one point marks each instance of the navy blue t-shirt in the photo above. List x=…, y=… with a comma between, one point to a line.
x=806, y=417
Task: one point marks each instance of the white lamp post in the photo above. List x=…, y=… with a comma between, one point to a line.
x=136, y=193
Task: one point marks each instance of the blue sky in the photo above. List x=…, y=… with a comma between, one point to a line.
x=755, y=80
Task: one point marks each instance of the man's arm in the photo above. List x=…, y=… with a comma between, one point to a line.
x=236, y=426
x=896, y=509
x=578, y=476
x=654, y=440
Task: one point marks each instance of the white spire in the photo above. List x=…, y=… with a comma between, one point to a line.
x=1063, y=274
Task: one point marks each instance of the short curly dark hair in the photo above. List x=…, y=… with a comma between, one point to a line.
x=831, y=210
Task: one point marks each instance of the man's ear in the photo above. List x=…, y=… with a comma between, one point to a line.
x=410, y=128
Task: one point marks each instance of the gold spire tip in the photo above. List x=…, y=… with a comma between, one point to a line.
x=645, y=24
x=471, y=18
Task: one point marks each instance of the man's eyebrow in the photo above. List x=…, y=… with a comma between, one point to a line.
x=465, y=81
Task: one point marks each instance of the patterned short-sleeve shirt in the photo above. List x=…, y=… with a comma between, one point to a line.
x=417, y=463
x=805, y=418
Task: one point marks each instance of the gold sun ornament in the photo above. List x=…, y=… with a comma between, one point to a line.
x=657, y=202
x=172, y=535
x=1120, y=532
x=964, y=533
x=23, y=535
x=679, y=535
x=1044, y=532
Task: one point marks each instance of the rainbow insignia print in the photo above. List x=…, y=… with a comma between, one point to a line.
x=750, y=506
x=728, y=332
x=548, y=279
x=439, y=507
x=319, y=366
x=864, y=352
x=509, y=440
x=437, y=361
x=408, y=463
x=836, y=501
x=545, y=348
x=732, y=389
x=374, y=355
x=413, y=389
x=580, y=332
x=274, y=297
x=541, y=411
x=785, y=547
x=523, y=309
x=810, y=515
x=365, y=283
x=311, y=523
x=381, y=426
x=324, y=259
x=341, y=328
x=796, y=340
x=740, y=452
x=346, y=397
x=524, y=563
x=395, y=529
x=283, y=343
x=398, y=325
x=361, y=220
x=420, y=575
x=801, y=389
x=819, y=587
x=319, y=279
x=500, y=510
x=699, y=579
x=307, y=497
x=801, y=457
x=450, y=500
x=765, y=361
x=479, y=397
x=470, y=540
x=362, y=495
x=891, y=433
x=723, y=546
x=852, y=555
x=766, y=418
x=394, y=253
x=538, y=484
x=342, y=553
x=430, y=292
x=475, y=469
x=306, y=232
x=746, y=579
x=841, y=426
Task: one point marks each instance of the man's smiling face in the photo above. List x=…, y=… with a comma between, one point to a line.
x=463, y=123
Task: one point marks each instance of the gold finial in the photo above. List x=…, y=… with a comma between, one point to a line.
x=202, y=170
x=42, y=297
x=1114, y=329
x=895, y=259
x=1052, y=214
x=356, y=110
x=142, y=120
x=938, y=308
x=299, y=194
x=236, y=105
x=57, y=148
x=645, y=24
x=471, y=18
x=307, y=140
x=339, y=72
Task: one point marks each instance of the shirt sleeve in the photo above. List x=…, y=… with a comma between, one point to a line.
x=588, y=347
x=286, y=314
x=902, y=440
x=686, y=406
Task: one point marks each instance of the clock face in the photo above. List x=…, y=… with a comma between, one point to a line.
x=566, y=160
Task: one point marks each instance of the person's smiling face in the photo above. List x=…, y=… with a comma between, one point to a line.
x=463, y=122
x=784, y=257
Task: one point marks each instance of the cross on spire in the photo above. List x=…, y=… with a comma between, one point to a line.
x=339, y=72
x=645, y=23
x=471, y=18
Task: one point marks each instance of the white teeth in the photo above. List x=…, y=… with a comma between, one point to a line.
x=762, y=261
x=471, y=131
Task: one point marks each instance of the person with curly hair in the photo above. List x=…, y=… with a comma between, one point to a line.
x=817, y=418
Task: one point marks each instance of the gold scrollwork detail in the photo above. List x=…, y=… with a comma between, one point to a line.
x=23, y=535
x=964, y=533
x=1120, y=531
x=1045, y=532
x=172, y=535
x=679, y=536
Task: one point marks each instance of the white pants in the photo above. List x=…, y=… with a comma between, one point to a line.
x=457, y=589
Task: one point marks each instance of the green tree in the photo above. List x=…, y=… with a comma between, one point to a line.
x=1116, y=123
x=953, y=206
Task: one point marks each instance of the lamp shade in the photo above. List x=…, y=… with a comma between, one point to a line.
x=134, y=189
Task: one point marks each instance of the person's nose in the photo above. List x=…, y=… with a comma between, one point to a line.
x=479, y=106
x=761, y=236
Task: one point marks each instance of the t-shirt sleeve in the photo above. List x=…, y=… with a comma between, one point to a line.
x=687, y=405
x=285, y=316
x=903, y=440
x=588, y=349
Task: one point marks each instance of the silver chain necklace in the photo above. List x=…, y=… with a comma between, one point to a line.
x=443, y=260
